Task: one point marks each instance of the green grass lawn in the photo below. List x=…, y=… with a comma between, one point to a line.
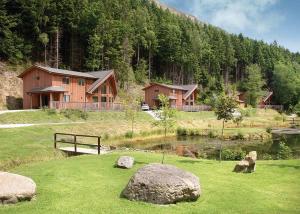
x=90, y=184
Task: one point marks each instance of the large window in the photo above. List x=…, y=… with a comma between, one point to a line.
x=81, y=82
x=66, y=98
x=66, y=80
x=95, y=99
x=103, y=100
x=103, y=89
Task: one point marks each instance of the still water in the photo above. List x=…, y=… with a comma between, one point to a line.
x=209, y=148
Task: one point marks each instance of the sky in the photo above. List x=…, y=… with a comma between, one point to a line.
x=266, y=20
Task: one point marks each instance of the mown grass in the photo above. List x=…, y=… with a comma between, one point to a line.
x=91, y=184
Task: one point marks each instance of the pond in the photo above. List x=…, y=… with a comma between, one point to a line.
x=209, y=148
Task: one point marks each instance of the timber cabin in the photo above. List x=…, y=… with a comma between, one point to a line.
x=265, y=101
x=179, y=95
x=60, y=89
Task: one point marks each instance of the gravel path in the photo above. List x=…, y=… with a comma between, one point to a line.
x=9, y=126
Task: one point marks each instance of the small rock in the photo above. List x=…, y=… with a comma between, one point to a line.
x=125, y=162
x=15, y=188
x=162, y=184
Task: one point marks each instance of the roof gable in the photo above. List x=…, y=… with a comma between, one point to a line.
x=102, y=77
x=187, y=89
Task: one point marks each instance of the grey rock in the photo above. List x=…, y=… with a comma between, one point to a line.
x=15, y=188
x=125, y=162
x=162, y=184
x=247, y=165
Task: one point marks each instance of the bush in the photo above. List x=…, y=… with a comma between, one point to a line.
x=240, y=136
x=129, y=134
x=248, y=112
x=297, y=109
x=212, y=134
x=181, y=131
x=284, y=152
x=269, y=130
x=194, y=132
x=267, y=157
x=74, y=113
x=228, y=154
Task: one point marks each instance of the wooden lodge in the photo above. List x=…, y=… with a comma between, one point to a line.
x=180, y=96
x=59, y=89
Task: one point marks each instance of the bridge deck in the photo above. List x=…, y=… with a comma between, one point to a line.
x=83, y=151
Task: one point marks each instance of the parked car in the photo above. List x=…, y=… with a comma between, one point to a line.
x=145, y=107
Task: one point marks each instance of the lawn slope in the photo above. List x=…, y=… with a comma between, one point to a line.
x=90, y=184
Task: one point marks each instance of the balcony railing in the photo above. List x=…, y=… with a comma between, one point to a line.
x=100, y=106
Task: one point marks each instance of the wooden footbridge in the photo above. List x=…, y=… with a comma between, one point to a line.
x=78, y=147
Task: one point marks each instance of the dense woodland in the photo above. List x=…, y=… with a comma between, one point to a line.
x=141, y=42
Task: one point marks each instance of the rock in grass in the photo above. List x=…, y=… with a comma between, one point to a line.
x=162, y=184
x=125, y=162
x=15, y=188
x=248, y=164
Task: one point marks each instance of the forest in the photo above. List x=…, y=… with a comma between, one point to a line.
x=143, y=42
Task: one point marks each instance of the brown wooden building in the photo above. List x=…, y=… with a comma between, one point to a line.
x=179, y=95
x=58, y=88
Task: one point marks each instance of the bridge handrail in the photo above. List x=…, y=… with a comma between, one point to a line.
x=75, y=143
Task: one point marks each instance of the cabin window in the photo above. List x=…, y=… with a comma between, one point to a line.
x=103, y=99
x=174, y=92
x=37, y=78
x=66, y=98
x=96, y=91
x=192, y=103
x=95, y=99
x=81, y=82
x=66, y=80
x=186, y=103
x=103, y=89
x=156, y=91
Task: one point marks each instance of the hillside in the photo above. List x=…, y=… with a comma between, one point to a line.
x=10, y=88
x=144, y=39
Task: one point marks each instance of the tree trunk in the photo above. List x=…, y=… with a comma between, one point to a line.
x=138, y=54
x=57, y=45
x=45, y=55
x=149, y=59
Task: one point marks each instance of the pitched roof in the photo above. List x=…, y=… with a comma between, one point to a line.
x=59, y=71
x=267, y=96
x=102, y=77
x=48, y=89
x=189, y=89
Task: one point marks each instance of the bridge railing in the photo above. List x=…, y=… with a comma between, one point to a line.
x=75, y=142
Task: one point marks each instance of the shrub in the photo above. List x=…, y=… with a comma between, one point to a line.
x=228, y=154
x=212, y=134
x=267, y=156
x=240, y=136
x=74, y=113
x=181, y=131
x=284, y=152
x=129, y=134
x=269, y=130
x=297, y=109
x=248, y=112
x=194, y=132
x=50, y=111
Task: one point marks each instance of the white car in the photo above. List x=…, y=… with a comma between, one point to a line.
x=145, y=107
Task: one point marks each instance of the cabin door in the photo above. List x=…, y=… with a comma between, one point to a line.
x=45, y=100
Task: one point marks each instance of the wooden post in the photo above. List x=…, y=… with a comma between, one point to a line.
x=41, y=103
x=55, y=141
x=30, y=101
x=75, y=144
x=99, y=146
x=51, y=100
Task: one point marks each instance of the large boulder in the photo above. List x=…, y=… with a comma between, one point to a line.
x=125, y=162
x=248, y=164
x=162, y=184
x=15, y=188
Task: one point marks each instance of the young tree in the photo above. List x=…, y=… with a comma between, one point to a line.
x=254, y=84
x=224, y=110
x=165, y=116
x=132, y=106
